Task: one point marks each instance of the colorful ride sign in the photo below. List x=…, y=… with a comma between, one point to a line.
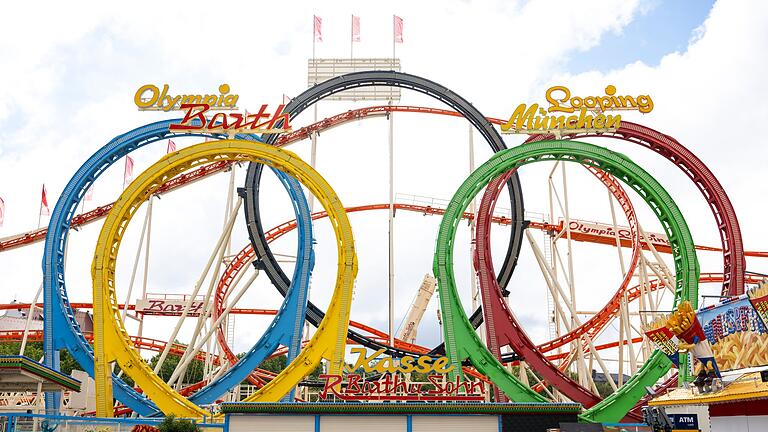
x=388, y=381
x=587, y=114
x=738, y=336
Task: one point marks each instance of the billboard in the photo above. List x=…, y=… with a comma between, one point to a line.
x=736, y=333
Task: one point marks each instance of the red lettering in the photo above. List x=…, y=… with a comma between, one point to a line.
x=353, y=385
x=155, y=305
x=222, y=123
x=435, y=380
x=332, y=382
x=191, y=114
x=252, y=124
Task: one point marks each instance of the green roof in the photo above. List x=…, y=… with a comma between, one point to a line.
x=27, y=364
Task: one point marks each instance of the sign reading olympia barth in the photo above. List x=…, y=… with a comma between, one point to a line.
x=580, y=114
x=196, y=106
x=389, y=382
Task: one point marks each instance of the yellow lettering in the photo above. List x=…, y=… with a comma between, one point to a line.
x=554, y=104
x=385, y=365
x=210, y=100
x=557, y=122
x=599, y=121
x=137, y=99
x=423, y=364
x=406, y=364
x=230, y=101
x=645, y=104
x=627, y=101
x=613, y=122
x=195, y=99
x=440, y=365
x=521, y=116
x=363, y=360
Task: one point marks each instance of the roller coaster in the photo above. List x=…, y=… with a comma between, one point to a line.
x=484, y=343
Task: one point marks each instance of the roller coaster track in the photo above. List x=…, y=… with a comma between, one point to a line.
x=633, y=136
x=734, y=264
x=461, y=340
x=112, y=342
x=61, y=329
x=504, y=329
x=298, y=104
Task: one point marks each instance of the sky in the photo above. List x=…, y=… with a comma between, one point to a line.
x=69, y=74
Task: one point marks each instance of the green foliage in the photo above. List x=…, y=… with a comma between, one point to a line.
x=193, y=374
x=275, y=364
x=172, y=424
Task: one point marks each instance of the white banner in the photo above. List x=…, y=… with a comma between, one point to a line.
x=152, y=306
x=607, y=231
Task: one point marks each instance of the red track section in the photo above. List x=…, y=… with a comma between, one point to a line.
x=734, y=264
x=662, y=144
x=246, y=255
x=502, y=328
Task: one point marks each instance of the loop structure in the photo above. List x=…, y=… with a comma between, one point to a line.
x=112, y=342
x=61, y=328
x=379, y=78
x=462, y=342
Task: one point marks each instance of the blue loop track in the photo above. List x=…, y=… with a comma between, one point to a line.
x=62, y=330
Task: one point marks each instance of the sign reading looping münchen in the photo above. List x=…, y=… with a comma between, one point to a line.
x=587, y=114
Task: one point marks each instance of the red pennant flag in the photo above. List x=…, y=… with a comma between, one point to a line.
x=128, y=173
x=318, y=28
x=398, y=25
x=89, y=194
x=44, y=210
x=171, y=147
x=2, y=212
x=355, y=28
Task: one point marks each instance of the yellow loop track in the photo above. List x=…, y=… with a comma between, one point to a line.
x=111, y=341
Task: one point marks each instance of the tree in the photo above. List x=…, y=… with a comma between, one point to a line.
x=172, y=424
x=193, y=374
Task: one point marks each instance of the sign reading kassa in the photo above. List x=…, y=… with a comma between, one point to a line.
x=390, y=385
x=536, y=119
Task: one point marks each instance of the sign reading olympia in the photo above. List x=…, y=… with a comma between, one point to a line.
x=196, y=107
x=580, y=114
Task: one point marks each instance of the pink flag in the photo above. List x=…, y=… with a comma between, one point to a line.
x=89, y=194
x=44, y=210
x=286, y=99
x=2, y=212
x=355, y=28
x=171, y=147
x=128, y=173
x=398, y=25
x=318, y=28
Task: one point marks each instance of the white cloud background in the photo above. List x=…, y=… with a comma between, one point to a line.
x=69, y=73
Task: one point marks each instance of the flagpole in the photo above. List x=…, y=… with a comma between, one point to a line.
x=124, y=168
x=40, y=212
x=352, y=37
x=314, y=37
x=393, y=37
